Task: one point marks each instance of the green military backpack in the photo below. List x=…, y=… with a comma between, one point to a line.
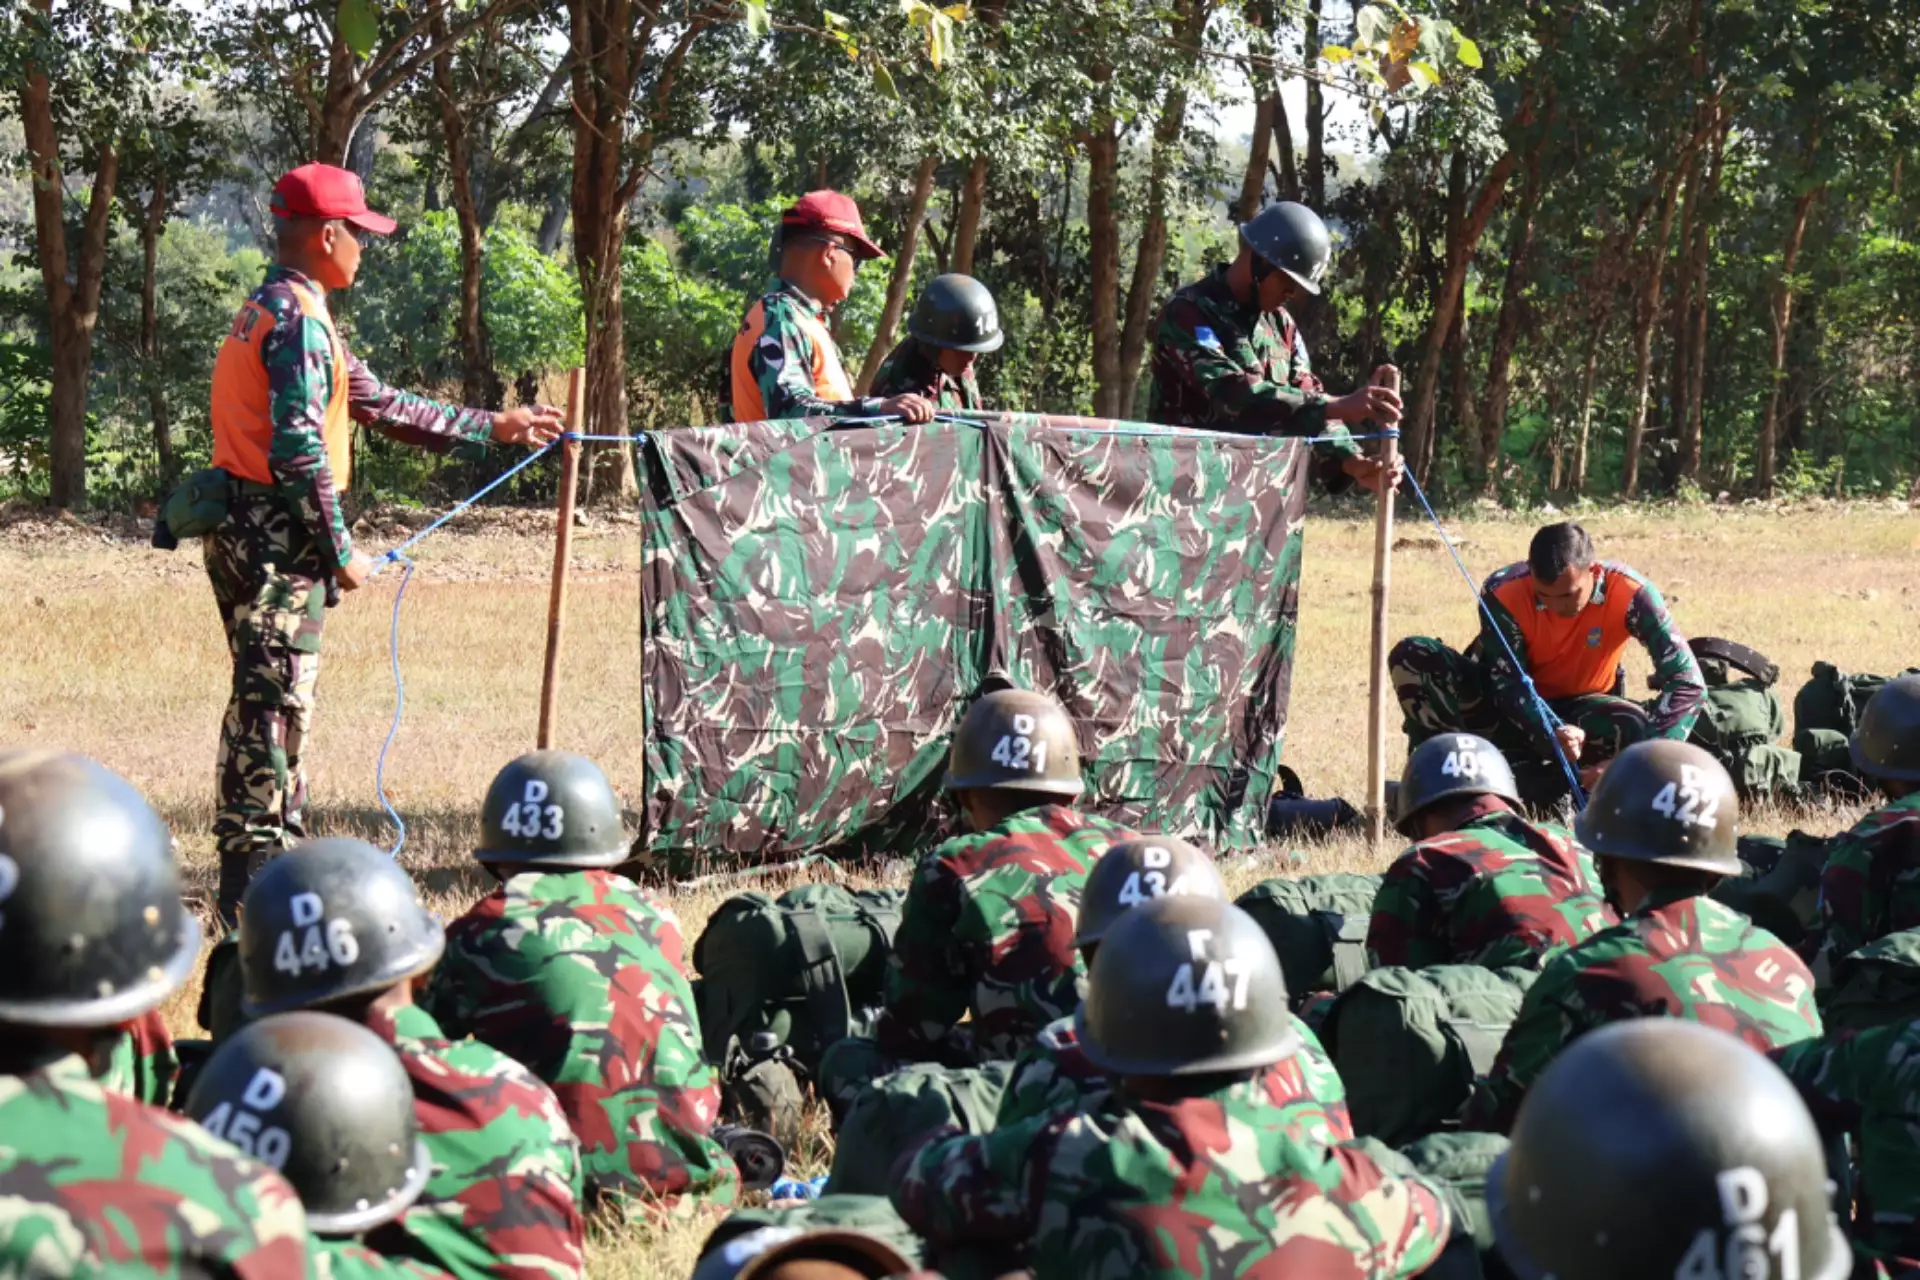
x=1877, y=985
x=894, y=1113
x=1461, y=1258
x=1779, y=888
x=1409, y=1042
x=870, y=1215
x=1318, y=926
x=1826, y=711
x=1462, y=1161
x=1741, y=720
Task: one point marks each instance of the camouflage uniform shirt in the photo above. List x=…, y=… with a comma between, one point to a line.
x=987, y=930
x=504, y=1196
x=351, y=1260
x=1205, y=1186
x=911, y=370
x=1303, y=1089
x=1498, y=891
x=580, y=976
x=144, y=1063
x=1871, y=886
x=1676, y=957
x=93, y=1182
x=781, y=361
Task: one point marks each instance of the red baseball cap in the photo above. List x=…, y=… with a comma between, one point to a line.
x=831, y=211
x=322, y=191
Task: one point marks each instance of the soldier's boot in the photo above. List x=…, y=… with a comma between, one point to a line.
x=763, y=1090
x=760, y=1158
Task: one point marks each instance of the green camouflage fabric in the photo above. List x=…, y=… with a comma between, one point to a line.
x=1500, y=891
x=1676, y=957
x=1203, y=1186
x=986, y=934
x=1304, y=1091
x=144, y=1063
x=581, y=976
x=782, y=359
x=1867, y=1084
x=910, y=369
x=352, y=1260
x=803, y=673
x=1871, y=885
x=94, y=1182
x=504, y=1198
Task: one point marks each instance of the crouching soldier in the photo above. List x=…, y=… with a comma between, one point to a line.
x=1871, y=885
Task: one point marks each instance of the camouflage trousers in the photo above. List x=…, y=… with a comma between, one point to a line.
x=1444, y=691
x=271, y=588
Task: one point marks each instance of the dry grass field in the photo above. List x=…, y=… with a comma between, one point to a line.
x=114, y=649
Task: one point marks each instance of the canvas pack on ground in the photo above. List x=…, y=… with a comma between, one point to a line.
x=1318, y=925
x=894, y=1113
x=1461, y=1160
x=1409, y=1042
x=1874, y=986
x=1825, y=712
x=1741, y=720
x=1780, y=890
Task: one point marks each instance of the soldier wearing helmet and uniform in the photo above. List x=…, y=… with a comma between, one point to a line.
x=578, y=973
x=1180, y=1170
x=1664, y=1148
x=328, y=1105
x=1482, y=885
x=954, y=322
x=92, y=934
x=1228, y=357
x=1661, y=825
x=336, y=925
x=1871, y=885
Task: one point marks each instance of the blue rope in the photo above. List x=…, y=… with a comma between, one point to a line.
x=399, y=706
x=399, y=552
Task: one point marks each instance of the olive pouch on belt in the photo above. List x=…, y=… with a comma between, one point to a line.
x=196, y=507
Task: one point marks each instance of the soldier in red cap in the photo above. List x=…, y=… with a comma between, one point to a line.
x=286, y=393
x=785, y=363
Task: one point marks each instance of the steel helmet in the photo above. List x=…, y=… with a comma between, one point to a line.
x=552, y=808
x=762, y=1251
x=1291, y=238
x=1887, y=742
x=956, y=312
x=1667, y=802
x=1139, y=870
x=1452, y=764
x=1015, y=740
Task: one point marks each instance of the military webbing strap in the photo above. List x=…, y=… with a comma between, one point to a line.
x=1479, y=1041
x=822, y=981
x=1347, y=935
x=1737, y=655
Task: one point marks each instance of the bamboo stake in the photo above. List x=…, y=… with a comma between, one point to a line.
x=1377, y=687
x=562, y=556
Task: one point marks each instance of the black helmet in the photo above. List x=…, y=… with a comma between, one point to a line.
x=1667, y=802
x=92, y=929
x=761, y=1251
x=956, y=312
x=1183, y=986
x=1661, y=1147
x=1139, y=870
x=1015, y=740
x=1290, y=237
x=330, y=919
x=1887, y=742
x=553, y=808
x=328, y=1104
x=1453, y=764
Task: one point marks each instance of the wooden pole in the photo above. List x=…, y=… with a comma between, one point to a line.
x=1377, y=686
x=562, y=556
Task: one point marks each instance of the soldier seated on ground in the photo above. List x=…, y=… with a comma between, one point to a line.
x=1482, y=885
x=327, y=1103
x=1055, y=1074
x=1567, y=619
x=953, y=324
x=1871, y=885
x=336, y=925
x=578, y=973
x=1179, y=1171
x=1661, y=827
x=986, y=932
x=92, y=1181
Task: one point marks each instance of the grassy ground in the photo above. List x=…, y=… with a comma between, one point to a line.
x=115, y=650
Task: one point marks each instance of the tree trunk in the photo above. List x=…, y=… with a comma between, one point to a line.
x=1646, y=319
x=150, y=226
x=1314, y=188
x=479, y=385
x=553, y=220
x=901, y=277
x=1578, y=483
x=1506, y=329
x=1253, y=181
x=966, y=223
x=1103, y=244
x=1466, y=424
x=1690, y=412
x=1765, y=461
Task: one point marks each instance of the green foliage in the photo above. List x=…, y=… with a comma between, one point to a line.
x=530, y=304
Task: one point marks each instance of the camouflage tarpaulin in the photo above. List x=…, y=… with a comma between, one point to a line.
x=819, y=605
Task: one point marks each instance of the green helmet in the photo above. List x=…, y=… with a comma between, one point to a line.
x=1667, y=802
x=330, y=919
x=1140, y=870
x=1290, y=237
x=1453, y=764
x=1661, y=1147
x=1015, y=740
x=764, y=1251
x=1183, y=986
x=552, y=808
x=956, y=312
x=92, y=929
x=328, y=1104
x=1887, y=742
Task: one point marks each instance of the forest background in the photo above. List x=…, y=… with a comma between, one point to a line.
x=1656, y=248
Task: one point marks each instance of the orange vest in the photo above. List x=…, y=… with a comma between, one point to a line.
x=243, y=407
x=1571, y=656
x=830, y=381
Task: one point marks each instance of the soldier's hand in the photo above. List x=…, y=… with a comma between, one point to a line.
x=908, y=408
x=353, y=575
x=530, y=424
x=1572, y=738
x=1372, y=474
x=1380, y=404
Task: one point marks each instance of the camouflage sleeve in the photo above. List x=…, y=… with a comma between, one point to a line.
x=144, y=1064
x=782, y=362
x=1841, y=1077
x=1398, y=933
x=926, y=990
x=1552, y=1015
x=1509, y=689
x=414, y=419
x=1851, y=904
x=455, y=988
x=1240, y=397
x=298, y=354
x=1675, y=672
x=979, y=1189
